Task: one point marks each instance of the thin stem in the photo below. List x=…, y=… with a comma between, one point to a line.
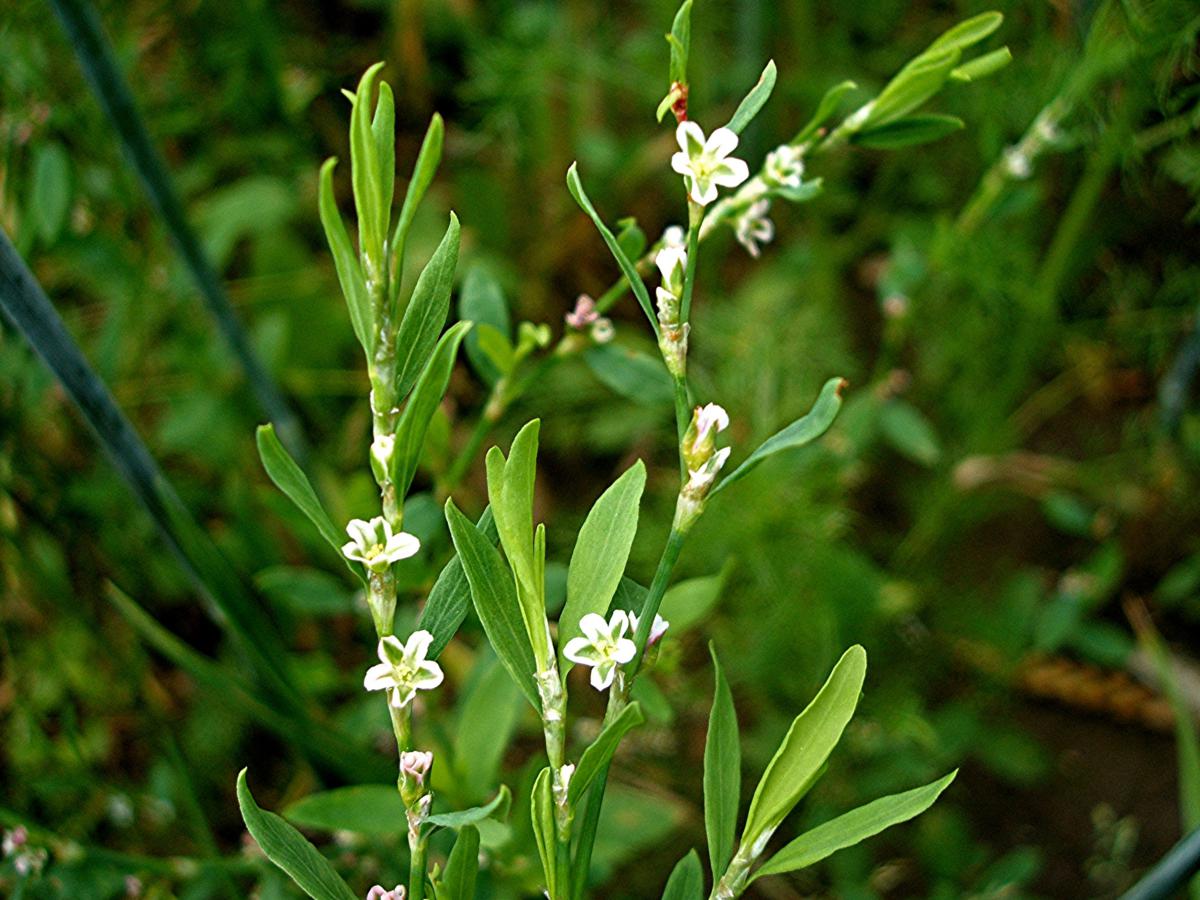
x=418, y=847
x=695, y=219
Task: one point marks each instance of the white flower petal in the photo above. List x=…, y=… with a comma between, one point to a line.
x=625, y=651
x=703, y=194
x=400, y=697
x=417, y=647
x=361, y=531
x=618, y=624
x=594, y=627
x=581, y=650
x=379, y=677
x=429, y=675
x=681, y=163
x=721, y=143
x=730, y=172
x=602, y=675
x=391, y=650
x=690, y=137
x=402, y=546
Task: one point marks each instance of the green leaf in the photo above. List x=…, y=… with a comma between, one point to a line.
x=826, y=108
x=689, y=602
x=808, y=190
x=912, y=86
x=462, y=868
x=425, y=399
x=808, y=743
x=288, y=849
x=969, y=32
x=364, y=170
x=803, y=431
x=495, y=601
x=497, y=808
x=680, y=41
x=628, y=269
x=481, y=301
x=489, y=709
x=687, y=879
x=601, y=552
x=597, y=755
x=631, y=237
x=754, y=100
x=50, y=194
x=722, y=773
x=383, y=131
x=541, y=810
x=497, y=356
x=909, y=432
x=908, y=132
x=374, y=809
x=450, y=596
x=426, y=312
x=982, y=66
x=423, y=171
x=631, y=374
x=853, y=827
x=290, y=479
x=349, y=273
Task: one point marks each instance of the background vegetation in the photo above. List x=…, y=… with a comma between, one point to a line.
x=1013, y=482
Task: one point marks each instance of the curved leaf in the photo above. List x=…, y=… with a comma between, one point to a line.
x=596, y=756
x=427, y=311
x=498, y=807
x=687, y=879
x=754, y=101
x=349, y=273
x=722, y=773
x=450, y=597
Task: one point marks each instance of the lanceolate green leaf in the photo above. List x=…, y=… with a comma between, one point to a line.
x=982, y=66
x=349, y=273
x=808, y=743
x=680, y=40
x=912, y=86
x=451, y=595
x=426, y=312
x=481, y=300
x=908, y=132
x=364, y=169
x=969, y=32
x=542, y=811
x=423, y=171
x=687, y=879
x=854, y=827
x=630, y=373
x=462, y=868
x=628, y=269
x=374, y=809
x=290, y=479
x=596, y=756
x=495, y=598
x=722, y=774
x=426, y=396
x=498, y=808
x=826, y=108
x=288, y=849
x=754, y=101
x=488, y=711
x=383, y=130
x=803, y=431
x=601, y=551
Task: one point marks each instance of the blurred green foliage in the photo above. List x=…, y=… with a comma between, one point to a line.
x=1017, y=456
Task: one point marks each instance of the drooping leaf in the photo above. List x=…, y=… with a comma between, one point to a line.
x=722, y=773
x=426, y=396
x=908, y=132
x=424, y=169
x=288, y=849
x=497, y=808
x=426, y=312
x=808, y=743
x=290, y=479
x=826, y=108
x=450, y=597
x=601, y=552
x=630, y=373
x=628, y=269
x=462, y=868
x=597, y=755
x=349, y=273
x=803, y=431
x=687, y=879
x=495, y=598
x=374, y=809
x=754, y=101
x=853, y=827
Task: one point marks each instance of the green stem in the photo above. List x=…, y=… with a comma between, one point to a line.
x=462, y=462
x=695, y=219
x=418, y=850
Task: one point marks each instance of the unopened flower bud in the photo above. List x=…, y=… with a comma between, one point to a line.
x=584, y=313
x=699, y=441
x=672, y=264
x=378, y=892
x=383, y=449
x=603, y=331
x=416, y=764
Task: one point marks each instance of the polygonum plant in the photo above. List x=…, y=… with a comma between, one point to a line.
x=609, y=622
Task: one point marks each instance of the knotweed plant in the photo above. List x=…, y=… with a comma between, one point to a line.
x=610, y=624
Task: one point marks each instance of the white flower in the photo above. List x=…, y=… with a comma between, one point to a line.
x=584, y=313
x=603, y=331
x=706, y=163
x=382, y=450
x=657, y=630
x=399, y=892
x=672, y=263
x=784, y=166
x=15, y=839
x=603, y=646
x=754, y=228
x=700, y=437
x=375, y=545
x=701, y=479
x=403, y=669
x=674, y=236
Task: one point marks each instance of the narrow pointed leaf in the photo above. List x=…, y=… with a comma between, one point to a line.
x=722, y=774
x=983, y=66
x=969, y=32
x=383, y=131
x=425, y=399
x=826, y=108
x=450, y=597
x=489, y=709
x=597, y=756
x=754, y=101
x=854, y=827
x=497, y=808
x=426, y=312
x=908, y=132
x=373, y=809
x=481, y=301
x=680, y=40
x=601, y=552
x=424, y=169
x=290, y=850
x=912, y=86
x=542, y=812
x=495, y=598
x=687, y=879
x=462, y=868
x=808, y=743
x=364, y=169
x=803, y=431
x=628, y=269
x=349, y=273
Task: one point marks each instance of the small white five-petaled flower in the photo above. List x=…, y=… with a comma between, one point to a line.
x=603, y=646
x=657, y=630
x=705, y=163
x=785, y=166
x=403, y=669
x=754, y=228
x=376, y=546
